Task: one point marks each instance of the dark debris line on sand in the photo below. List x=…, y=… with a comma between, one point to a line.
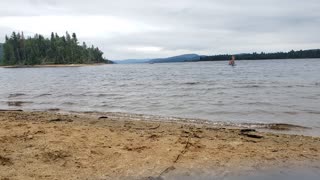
x=178, y=157
x=243, y=132
x=60, y=120
x=247, y=132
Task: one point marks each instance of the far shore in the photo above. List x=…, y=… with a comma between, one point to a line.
x=52, y=145
x=52, y=65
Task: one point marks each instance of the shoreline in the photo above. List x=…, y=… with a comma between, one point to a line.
x=49, y=145
x=276, y=128
x=53, y=65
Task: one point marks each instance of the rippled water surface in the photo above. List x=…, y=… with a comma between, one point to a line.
x=270, y=91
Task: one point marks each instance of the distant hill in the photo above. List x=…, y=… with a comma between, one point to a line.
x=131, y=61
x=181, y=58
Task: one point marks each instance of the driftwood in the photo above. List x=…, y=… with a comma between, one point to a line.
x=103, y=117
x=60, y=120
x=246, y=132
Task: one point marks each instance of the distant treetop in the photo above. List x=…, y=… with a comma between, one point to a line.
x=38, y=50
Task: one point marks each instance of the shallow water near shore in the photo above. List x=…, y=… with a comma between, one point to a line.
x=284, y=174
x=269, y=91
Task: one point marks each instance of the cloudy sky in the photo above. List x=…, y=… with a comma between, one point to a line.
x=128, y=29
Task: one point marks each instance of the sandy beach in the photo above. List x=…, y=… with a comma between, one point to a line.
x=51, y=145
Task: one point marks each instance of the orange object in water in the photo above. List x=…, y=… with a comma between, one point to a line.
x=232, y=61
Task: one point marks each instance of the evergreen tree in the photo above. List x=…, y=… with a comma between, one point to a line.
x=40, y=50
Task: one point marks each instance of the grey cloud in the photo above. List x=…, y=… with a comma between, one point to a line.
x=199, y=26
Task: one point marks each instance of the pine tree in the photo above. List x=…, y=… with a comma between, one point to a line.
x=40, y=50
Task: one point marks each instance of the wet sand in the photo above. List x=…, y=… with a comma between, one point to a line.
x=51, y=145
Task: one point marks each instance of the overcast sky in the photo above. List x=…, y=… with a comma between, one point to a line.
x=129, y=29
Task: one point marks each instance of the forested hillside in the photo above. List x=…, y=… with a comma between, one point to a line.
x=315, y=53
x=1, y=52
x=18, y=50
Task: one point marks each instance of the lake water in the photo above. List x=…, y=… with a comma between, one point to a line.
x=269, y=91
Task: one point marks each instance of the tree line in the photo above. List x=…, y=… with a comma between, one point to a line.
x=260, y=56
x=37, y=50
x=1, y=52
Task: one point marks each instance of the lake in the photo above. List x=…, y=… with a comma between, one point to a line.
x=266, y=91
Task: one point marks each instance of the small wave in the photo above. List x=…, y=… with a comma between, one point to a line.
x=309, y=97
x=17, y=103
x=42, y=95
x=291, y=112
x=139, y=84
x=101, y=95
x=313, y=112
x=216, y=88
x=285, y=127
x=302, y=86
x=118, y=97
x=16, y=95
x=259, y=103
x=292, y=86
x=72, y=95
x=65, y=95
x=68, y=103
x=53, y=109
x=123, y=85
x=191, y=83
x=253, y=86
x=221, y=93
x=248, y=86
x=227, y=112
x=106, y=95
x=275, y=126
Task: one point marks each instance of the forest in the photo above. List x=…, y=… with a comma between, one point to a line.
x=1, y=51
x=315, y=53
x=38, y=50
